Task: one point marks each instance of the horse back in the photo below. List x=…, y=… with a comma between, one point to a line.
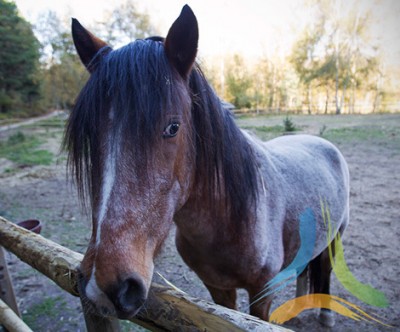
x=303, y=172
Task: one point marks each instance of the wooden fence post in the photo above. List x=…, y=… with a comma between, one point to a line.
x=10, y=320
x=6, y=288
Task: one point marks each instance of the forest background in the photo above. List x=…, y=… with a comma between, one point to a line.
x=335, y=66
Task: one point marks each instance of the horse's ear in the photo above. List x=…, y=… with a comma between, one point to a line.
x=87, y=45
x=182, y=40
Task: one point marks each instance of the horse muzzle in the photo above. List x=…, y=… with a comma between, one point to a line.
x=123, y=299
x=128, y=295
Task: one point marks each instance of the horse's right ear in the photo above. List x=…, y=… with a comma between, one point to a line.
x=87, y=45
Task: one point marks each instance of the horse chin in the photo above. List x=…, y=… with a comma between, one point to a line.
x=129, y=314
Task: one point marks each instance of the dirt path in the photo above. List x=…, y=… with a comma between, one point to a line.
x=371, y=241
x=30, y=121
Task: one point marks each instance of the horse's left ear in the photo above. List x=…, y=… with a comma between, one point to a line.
x=182, y=40
x=87, y=45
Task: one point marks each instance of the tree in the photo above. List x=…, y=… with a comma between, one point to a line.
x=19, y=62
x=238, y=82
x=125, y=24
x=363, y=59
x=62, y=71
x=336, y=51
x=55, y=37
x=305, y=60
x=273, y=83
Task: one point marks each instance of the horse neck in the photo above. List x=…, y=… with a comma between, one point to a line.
x=207, y=210
x=201, y=220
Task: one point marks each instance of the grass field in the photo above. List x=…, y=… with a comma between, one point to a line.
x=338, y=129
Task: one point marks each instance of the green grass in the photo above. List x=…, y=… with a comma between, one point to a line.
x=24, y=150
x=377, y=129
x=270, y=130
x=46, y=312
x=48, y=309
x=266, y=132
x=363, y=133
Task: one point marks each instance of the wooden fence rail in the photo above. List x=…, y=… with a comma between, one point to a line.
x=166, y=309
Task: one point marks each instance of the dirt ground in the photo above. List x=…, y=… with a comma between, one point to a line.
x=371, y=145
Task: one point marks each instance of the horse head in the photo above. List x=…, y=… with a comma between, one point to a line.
x=129, y=138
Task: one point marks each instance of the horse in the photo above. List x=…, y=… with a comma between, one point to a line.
x=150, y=144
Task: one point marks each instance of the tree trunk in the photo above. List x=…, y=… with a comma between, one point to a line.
x=309, y=98
x=338, y=111
x=342, y=99
x=327, y=99
x=376, y=102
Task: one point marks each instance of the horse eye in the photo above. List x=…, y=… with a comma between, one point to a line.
x=171, y=130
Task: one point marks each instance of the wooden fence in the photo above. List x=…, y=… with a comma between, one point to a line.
x=166, y=309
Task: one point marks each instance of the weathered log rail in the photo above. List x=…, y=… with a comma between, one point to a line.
x=166, y=309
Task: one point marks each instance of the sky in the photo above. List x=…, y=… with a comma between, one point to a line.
x=253, y=28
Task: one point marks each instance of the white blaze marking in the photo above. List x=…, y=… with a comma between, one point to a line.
x=108, y=178
x=93, y=292
x=106, y=188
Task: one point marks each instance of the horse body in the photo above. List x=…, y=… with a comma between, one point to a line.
x=296, y=173
x=150, y=144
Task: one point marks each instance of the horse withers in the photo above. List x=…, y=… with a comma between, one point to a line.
x=150, y=144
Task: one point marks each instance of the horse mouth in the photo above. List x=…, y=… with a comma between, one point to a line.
x=90, y=307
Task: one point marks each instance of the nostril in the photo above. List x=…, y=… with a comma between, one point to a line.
x=129, y=296
x=132, y=289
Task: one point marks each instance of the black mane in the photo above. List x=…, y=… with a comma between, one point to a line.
x=138, y=83
x=225, y=161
